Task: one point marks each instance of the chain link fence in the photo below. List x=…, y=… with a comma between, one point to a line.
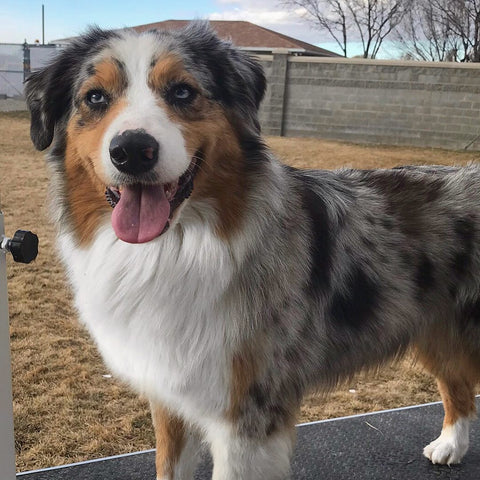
x=17, y=61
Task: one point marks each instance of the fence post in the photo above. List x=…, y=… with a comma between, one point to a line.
x=26, y=61
x=7, y=444
x=278, y=85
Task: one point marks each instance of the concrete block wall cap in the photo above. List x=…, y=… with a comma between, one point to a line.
x=264, y=58
x=286, y=51
x=270, y=49
x=389, y=63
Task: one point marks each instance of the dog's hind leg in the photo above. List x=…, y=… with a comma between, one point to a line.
x=456, y=379
x=178, y=446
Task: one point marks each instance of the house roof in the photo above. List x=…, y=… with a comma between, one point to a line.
x=247, y=36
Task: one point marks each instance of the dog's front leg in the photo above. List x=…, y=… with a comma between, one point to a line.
x=242, y=457
x=177, y=445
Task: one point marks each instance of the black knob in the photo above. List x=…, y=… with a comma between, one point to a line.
x=23, y=246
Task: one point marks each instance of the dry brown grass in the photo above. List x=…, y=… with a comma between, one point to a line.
x=65, y=409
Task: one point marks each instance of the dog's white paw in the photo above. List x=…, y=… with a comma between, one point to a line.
x=451, y=445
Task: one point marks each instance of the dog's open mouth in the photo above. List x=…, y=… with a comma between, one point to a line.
x=142, y=212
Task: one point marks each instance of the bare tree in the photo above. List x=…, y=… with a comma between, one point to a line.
x=442, y=30
x=330, y=16
x=374, y=21
x=426, y=33
x=369, y=21
x=464, y=19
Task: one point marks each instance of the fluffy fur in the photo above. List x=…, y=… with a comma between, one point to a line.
x=266, y=281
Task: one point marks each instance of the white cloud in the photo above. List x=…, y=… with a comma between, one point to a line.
x=256, y=16
x=269, y=15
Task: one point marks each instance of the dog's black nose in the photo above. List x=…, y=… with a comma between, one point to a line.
x=134, y=151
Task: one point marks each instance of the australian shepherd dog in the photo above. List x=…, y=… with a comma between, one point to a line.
x=222, y=284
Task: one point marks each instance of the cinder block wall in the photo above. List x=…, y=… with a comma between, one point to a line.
x=375, y=101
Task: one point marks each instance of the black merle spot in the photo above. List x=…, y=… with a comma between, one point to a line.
x=355, y=306
x=465, y=231
x=91, y=70
x=272, y=427
x=406, y=196
x=321, y=242
x=424, y=274
x=387, y=223
x=276, y=318
x=471, y=312
x=461, y=260
x=278, y=416
x=406, y=257
x=277, y=407
x=369, y=244
x=453, y=291
x=254, y=151
x=293, y=355
x=384, y=259
x=120, y=65
x=398, y=184
x=258, y=395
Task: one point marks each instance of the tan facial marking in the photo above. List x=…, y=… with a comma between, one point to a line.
x=168, y=69
x=221, y=176
x=85, y=181
x=84, y=196
x=170, y=440
x=206, y=128
x=108, y=76
x=87, y=135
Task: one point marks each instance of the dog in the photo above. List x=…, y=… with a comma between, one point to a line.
x=224, y=285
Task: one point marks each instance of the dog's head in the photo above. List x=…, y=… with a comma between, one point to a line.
x=138, y=113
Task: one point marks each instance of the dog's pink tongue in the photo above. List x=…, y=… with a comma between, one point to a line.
x=141, y=213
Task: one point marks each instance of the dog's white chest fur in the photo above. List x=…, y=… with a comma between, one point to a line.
x=155, y=312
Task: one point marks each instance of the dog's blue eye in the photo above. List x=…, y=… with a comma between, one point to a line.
x=181, y=94
x=96, y=98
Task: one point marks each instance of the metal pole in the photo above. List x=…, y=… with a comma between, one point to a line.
x=7, y=443
x=43, y=24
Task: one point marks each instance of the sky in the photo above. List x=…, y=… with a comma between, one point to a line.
x=21, y=20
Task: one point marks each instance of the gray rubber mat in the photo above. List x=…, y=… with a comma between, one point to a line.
x=378, y=446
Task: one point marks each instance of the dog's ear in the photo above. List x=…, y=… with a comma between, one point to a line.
x=251, y=75
x=235, y=77
x=248, y=85
x=49, y=92
x=43, y=101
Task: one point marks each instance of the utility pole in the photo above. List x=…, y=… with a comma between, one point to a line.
x=43, y=24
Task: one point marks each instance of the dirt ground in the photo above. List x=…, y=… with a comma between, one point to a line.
x=12, y=105
x=67, y=406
